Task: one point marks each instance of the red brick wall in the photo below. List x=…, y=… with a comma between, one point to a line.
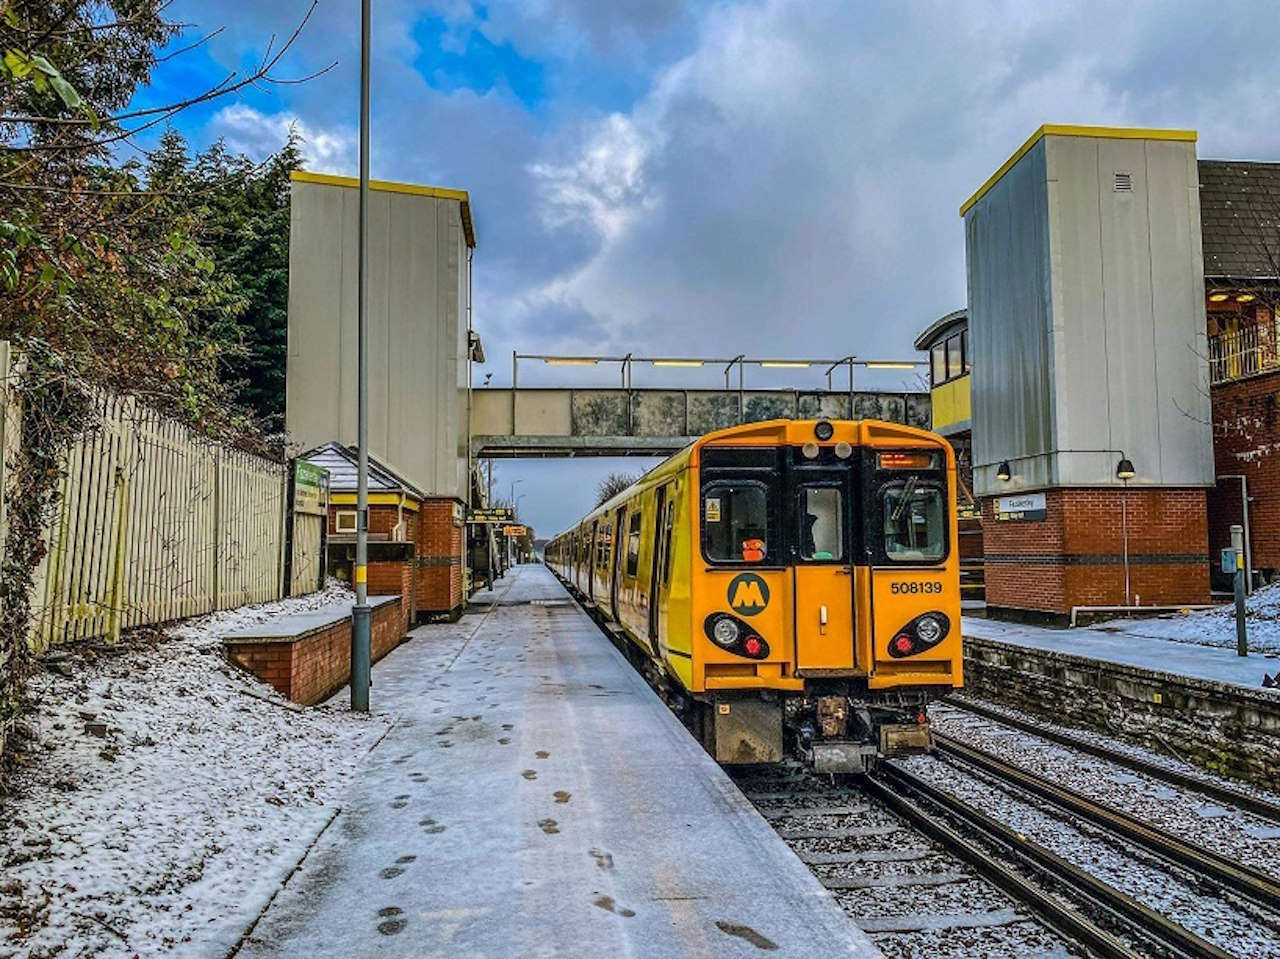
x=440, y=549
x=1246, y=440
x=1074, y=556
x=393, y=578
x=382, y=520
x=312, y=668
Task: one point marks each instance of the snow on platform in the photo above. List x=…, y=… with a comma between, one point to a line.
x=535, y=798
x=167, y=795
x=1186, y=644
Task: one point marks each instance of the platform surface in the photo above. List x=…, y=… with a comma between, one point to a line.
x=536, y=799
x=1124, y=644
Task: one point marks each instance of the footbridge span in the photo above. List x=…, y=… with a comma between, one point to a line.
x=554, y=421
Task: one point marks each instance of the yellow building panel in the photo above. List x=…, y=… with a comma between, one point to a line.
x=950, y=403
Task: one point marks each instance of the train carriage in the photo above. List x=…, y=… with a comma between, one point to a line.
x=791, y=576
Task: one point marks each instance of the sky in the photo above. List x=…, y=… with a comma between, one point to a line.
x=773, y=178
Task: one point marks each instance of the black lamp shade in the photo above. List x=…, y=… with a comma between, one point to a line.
x=1002, y=471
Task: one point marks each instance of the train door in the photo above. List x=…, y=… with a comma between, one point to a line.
x=590, y=559
x=615, y=570
x=823, y=571
x=660, y=540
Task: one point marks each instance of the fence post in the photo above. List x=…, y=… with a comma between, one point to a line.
x=5, y=437
x=117, y=562
x=216, y=598
x=284, y=586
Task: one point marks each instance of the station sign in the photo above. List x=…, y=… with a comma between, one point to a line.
x=1022, y=507
x=310, y=488
x=492, y=515
x=514, y=531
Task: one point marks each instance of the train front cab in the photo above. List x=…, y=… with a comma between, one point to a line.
x=825, y=589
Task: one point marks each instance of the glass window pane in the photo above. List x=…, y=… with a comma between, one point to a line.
x=736, y=522
x=964, y=346
x=914, y=522
x=954, y=360
x=633, y=544
x=938, y=364
x=666, y=566
x=822, y=524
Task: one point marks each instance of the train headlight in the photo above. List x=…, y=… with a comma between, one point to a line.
x=823, y=430
x=725, y=632
x=928, y=629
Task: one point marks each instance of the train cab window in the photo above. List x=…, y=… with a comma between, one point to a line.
x=735, y=523
x=633, y=544
x=915, y=516
x=821, y=524
x=938, y=363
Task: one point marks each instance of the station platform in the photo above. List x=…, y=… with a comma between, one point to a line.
x=535, y=798
x=1137, y=643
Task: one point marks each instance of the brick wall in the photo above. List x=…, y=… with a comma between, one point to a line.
x=1246, y=440
x=310, y=669
x=1074, y=557
x=393, y=578
x=440, y=549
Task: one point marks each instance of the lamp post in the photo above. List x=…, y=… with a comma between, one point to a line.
x=360, y=613
x=1124, y=473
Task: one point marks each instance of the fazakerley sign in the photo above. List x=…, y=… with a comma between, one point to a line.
x=1020, y=508
x=492, y=515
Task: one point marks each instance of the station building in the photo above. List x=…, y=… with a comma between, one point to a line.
x=1114, y=381
x=421, y=346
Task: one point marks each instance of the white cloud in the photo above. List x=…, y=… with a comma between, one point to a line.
x=257, y=134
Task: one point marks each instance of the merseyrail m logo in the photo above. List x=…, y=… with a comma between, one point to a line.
x=748, y=594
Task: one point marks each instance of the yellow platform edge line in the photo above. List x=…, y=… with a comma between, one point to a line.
x=1075, y=130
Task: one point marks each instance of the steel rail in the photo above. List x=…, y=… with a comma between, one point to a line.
x=1062, y=918
x=1225, y=794
x=1251, y=883
x=1147, y=924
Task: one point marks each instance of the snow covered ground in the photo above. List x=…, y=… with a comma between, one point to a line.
x=168, y=795
x=1214, y=627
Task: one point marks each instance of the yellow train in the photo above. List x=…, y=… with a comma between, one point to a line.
x=798, y=575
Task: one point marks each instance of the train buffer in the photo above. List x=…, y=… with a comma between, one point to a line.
x=536, y=798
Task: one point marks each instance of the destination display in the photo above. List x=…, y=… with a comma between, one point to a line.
x=493, y=515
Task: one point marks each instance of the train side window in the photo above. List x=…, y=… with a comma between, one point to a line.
x=633, y=543
x=938, y=363
x=735, y=523
x=915, y=517
x=666, y=556
x=821, y=524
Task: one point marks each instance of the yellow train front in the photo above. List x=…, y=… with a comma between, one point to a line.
x=791, y=577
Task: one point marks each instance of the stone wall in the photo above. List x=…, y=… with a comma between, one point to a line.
x=1228, y=729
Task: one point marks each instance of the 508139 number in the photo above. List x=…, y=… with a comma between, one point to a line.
x=915, y=587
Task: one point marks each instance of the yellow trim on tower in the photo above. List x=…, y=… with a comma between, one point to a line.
x=1074, y=130
x=390, y=186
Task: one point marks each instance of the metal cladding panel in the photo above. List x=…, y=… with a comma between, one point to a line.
x=1010, y=317
x=417, y=396
x=1128, y=322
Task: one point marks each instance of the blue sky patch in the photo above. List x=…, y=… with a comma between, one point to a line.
x=480, y=65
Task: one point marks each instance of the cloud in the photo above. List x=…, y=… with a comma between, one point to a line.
x=246, y=130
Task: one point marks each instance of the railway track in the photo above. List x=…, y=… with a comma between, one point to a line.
x=1095, y=879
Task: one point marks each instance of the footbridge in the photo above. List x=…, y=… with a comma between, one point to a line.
x=556, y=421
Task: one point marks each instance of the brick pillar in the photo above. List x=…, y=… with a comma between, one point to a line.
x=440, y=546
x=1074, y=556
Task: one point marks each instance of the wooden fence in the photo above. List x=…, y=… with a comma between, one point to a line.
x=155, y=523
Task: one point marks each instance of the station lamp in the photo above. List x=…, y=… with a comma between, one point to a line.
x=1002, y=472
x=1218, y=296
x=1245, y=298
x=1124, y=469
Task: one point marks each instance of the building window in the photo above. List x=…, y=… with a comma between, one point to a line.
x=633, y=544
x=955, y=357
x=938, y=363
x=344, y=521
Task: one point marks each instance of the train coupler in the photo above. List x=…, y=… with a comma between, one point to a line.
x=844, y=757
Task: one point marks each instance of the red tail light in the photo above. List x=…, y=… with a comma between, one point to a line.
x=752, y=646
x=902, y=644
